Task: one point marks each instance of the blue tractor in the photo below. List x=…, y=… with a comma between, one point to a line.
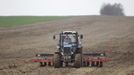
x=69, y=49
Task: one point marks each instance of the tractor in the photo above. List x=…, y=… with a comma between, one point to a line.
x=69, y=49
x=69, y=52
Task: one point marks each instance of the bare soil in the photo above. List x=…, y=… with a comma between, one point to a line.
x=18, y=45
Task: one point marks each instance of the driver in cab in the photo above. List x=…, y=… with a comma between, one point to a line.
x=67, y=39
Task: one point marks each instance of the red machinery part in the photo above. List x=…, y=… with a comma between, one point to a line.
x=95, y=61
x=87, y=61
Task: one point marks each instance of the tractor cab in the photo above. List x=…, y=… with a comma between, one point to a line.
x=69, y=47
x=69, y=42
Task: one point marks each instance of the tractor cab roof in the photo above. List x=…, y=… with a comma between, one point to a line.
x=69, y=32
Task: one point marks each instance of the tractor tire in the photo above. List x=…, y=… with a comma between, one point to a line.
x=57, y=61
x=78, y=61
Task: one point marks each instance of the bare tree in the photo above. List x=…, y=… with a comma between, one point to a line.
x=112, y=10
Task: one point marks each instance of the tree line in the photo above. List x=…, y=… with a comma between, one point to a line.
x=112, y=9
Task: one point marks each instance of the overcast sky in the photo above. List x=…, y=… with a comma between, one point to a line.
x=59, y=7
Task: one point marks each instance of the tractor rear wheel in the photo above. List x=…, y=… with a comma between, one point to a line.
x=57, y=61
x=78, y=61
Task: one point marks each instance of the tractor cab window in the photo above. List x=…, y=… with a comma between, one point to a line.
x=69, y=39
